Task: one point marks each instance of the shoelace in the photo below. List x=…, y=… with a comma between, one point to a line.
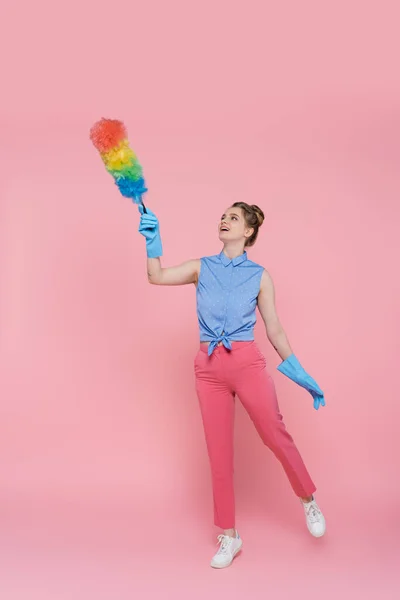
x=313, y=513
x=225, y=542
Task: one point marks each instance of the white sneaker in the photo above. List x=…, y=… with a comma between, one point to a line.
x=314, y=518
x=229, y=547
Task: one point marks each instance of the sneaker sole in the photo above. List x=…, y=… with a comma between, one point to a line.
x=229, y=564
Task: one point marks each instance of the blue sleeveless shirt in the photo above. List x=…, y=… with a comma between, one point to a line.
x=227, y=292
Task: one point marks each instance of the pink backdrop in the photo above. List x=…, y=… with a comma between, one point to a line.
x=105, y=489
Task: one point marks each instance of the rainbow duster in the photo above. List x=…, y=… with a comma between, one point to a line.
x=110, y=138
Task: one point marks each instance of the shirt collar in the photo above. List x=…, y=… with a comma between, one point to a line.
x=235, y=261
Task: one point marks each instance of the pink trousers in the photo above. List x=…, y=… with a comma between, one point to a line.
x=241, y=371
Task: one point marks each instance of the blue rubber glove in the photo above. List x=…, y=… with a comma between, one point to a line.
x=150, y=229
x=293, y=369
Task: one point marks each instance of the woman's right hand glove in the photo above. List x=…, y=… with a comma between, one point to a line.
x=149, y=227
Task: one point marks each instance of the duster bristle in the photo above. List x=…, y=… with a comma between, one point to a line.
x=110, y=139
x=131, y=189
x=107, y=133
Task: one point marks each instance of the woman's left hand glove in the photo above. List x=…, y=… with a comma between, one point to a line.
x=292, y=368
x=150, y=229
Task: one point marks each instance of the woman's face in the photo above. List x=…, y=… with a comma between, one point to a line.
x=232, y=227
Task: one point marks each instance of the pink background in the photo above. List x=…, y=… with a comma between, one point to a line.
x=105, y=489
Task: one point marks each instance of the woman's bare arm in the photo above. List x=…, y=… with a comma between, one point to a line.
x=187, y=272
x=274, y=329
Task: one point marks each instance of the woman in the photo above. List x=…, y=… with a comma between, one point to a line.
x=229, y=287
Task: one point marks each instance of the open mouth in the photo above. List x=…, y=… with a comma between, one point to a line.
x=224, y=228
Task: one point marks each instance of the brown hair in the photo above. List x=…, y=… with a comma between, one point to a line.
x=254, y=217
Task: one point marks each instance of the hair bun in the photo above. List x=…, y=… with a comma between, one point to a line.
x=259, y=213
